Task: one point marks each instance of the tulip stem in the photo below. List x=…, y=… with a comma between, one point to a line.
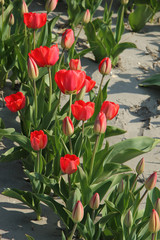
x=22, y=118
x=134, y=182
x=93, y=215
x=73, y=231
x=82, y=129
x=38, y=156
x=93, y=157
x=34, y=39
x=70, y=143
x=110, y=6
x=35, y=100
x=152, y=236
x=2, y=13
x=70, y=103
x=140, y=202
x=50, y=89
x=69, y=183
x=60, y=60
x=78, y=35
x=101, y=84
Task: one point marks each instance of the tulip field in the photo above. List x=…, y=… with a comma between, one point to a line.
x=79, y=120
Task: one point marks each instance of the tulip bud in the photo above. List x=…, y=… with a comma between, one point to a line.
x=67, y=39
x=75, y=64
x=157, y=206
x=154, y=223
x=105, y=66
x=33, y=71
x=150, y=183
x=100, y=123
x=51, y=5
x=78, y=212
x=95, y=201
x=124, y=2
x=81, y=94
x=87, y=16
x=120, y=187
x=140, y=167
x=24, y=8
x=128, y=219
x=11, y=20
x=2, y=2
x=68, y=128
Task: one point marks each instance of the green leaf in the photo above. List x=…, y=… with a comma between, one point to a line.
x=140, y=16
x=119, y=24
x=2, y=126
x=29, y=237
x=113, y=131
x=119, y=48
x=13, y=154
x=151, y=81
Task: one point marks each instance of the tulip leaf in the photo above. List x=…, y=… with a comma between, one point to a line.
x=113, y=131
x=109, y=216
x=29, y=237
x=42, y=38
x=15, y=153
x=151, y=81
x=119, y=24
x=119, y=48
x=2, y=126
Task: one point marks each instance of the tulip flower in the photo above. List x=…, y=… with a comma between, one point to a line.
x=89, y=83
x=51, y=5
x=105, y=66
x=69, y=163
x=67, y=39
x=87, y=16
x=78, y=212
x=95, y=201
x=150, y=183
x=15, y=102
x=157, y=206
x=128, y=219
x=11, y=20
x=70, y=81
x=154, y=222
x=140, y=167
x=82, y=111
x=110, y=109
x=35, y=20
x=38, y=140
x=100, y=123
x=68, y=128
x=45, y=56
x=33, y=71
x=24, y=8
x=75, y=64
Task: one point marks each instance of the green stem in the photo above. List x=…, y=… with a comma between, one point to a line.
x=72, y=233
x=155, y=236
x=93, y=215
x=38, y=216
x=70, y=143
x=152, y=238
x=93, y=157
x=2, y=13
x=25, y=30
x=38, y=159
x=60, y=60
x=50, y=89
x=134, y=182
x=140, y=201
x=34, y=39
x=82, y=129
x=70, y=103
x=118, y=37
x=110, y=6
x=100, y=86
x=24, y=123
x=69, y=182
x=78, y=35
x=35, y=100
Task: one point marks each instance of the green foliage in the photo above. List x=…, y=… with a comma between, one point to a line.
x=153, y=81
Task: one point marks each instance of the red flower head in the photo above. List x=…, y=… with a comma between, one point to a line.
x=110, y=109
x=82, y=111
x=69, y=163
x=45, y=56
x=105, y=66
x=35, y=20
x=89, y=83
x=100, y=123
x=38, y=140
x=70, y=81
x=67, y=39
x=15, y=102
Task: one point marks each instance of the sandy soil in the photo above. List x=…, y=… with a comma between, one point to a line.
x=139, y=115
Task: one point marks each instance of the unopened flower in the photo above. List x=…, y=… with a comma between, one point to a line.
x=11, y=20
x=51, y=5
x=128, y=219
x=100, y=123
x=24, y=8
x=140, y=167
x=105, y=66
x=68, y=128
x=95, y=201
x=150, y=183
x=33, y=71
x=75, y=64
x=78, y=212
x=154, y=223
x=67, y=39
x=121, y=187
x=87, y=16
x=124, y=2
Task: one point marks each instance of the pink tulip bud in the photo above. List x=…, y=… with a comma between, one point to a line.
x=75, y=64
x=68, y=128
x=140, y=167
x=105, y=66
x=11, y=20
x=157, y=206
x=24, y=8
x=51, y=5
x=100, y=124
x=151, y=181
x=120, y=187
x=128, y=219
x=33, y=71
x=67, y=39
x=78, y=212
x=95, y=201
x=154, y=223
x=87, y=16
x=2, y=2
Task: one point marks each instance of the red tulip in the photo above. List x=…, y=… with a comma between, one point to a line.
x=51, y=5
x=45, y=56
x=110, y=109
x=35, y=20
x=150, y=183
x=67, y=39
x=15, y=102
x=105, y=66
x=78, y=212
x=38, y=140
x=89, y=83
x=70, y=81
x=68, y=128
x=69, y=163
x=82, y=111
x=75, y=64
x=33, y=71
x=100, y=124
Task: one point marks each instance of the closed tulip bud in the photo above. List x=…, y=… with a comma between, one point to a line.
x=2, y=2
x=78, y=212
x=67, y=39
x=51, y=5
x=81, y=94
x=150, y=183
x=124, y=2
x=105, y=66
x=128, y=219
x=75, y=64
x=87, y=16
x=154, y=223
x=33, y=71
x=24, y=8
x=100, y=123
x=68, y=128
x=157, y=206
x=11, y=20
x=95, y=201
x=140, y=167
x=121, y=187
